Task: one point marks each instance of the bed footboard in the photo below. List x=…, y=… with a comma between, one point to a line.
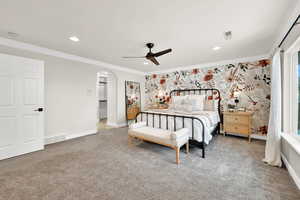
x=192, y=141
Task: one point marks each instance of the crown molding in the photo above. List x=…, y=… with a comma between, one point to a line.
x=49, y=52
x=204, y=65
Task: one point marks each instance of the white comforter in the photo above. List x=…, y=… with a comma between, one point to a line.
x=210, y=120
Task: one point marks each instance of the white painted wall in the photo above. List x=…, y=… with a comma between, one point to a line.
x=70, y=97
x=70, y=94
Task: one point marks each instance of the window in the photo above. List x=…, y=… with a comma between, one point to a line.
x=295, y=93
x=291, y=90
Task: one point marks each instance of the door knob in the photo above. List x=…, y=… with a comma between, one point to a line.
x=39, y=110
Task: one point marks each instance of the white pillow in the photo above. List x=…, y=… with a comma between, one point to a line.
x=196, y=101
x=210, y=105
x=178, y=107
x=183, y=109
x=171, y=106
x=188, y=108
x=178, y=99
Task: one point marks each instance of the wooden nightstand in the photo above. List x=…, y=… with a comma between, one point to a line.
x=238, y=122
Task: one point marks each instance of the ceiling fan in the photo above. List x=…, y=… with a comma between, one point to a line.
x=150, y=55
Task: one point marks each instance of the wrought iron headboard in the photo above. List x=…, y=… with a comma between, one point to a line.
x=213, y=92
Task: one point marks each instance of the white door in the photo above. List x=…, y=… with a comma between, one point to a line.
x=21, y=96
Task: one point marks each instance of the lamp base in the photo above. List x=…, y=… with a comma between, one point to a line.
x=236, y=101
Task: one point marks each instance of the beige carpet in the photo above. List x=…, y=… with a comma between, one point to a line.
x=102, y=166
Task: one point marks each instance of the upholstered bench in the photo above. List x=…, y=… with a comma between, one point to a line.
x=175, y=140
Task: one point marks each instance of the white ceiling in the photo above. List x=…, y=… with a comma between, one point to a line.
x=110, y=29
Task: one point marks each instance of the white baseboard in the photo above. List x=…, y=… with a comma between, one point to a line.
x=77, y=135
x=55, y=139
x=254, y=136
x=64, y=136
x=123, y=125
x=116, y=125
x=291, y=171
x=259, y=137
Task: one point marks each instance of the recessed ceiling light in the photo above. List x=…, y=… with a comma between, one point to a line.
x=74, y=39
x=146, y=63
x=216, y=48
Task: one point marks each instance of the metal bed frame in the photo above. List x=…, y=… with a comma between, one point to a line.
x=192, y=141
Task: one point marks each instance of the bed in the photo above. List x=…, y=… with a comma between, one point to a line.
x=202, y=124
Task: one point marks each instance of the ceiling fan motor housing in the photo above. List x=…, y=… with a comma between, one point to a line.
x=150, y=45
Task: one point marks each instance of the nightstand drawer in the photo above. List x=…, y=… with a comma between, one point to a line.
x=235, y=128
x=236, y=119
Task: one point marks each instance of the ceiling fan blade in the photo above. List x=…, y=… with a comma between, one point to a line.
x=153, y=60
x=133, y=57
x=162, y=52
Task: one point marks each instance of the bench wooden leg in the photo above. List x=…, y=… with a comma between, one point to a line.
x=129, y=140
x=177, y=155
x=187, y=147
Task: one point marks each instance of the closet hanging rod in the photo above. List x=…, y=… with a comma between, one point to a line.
x=286, y=35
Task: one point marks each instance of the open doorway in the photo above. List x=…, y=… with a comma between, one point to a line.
x=106, y=97
x=102, y=99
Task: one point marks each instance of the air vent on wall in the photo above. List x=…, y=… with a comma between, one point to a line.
x=12, y=35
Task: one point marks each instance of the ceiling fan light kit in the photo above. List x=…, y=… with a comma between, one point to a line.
x=152, y=56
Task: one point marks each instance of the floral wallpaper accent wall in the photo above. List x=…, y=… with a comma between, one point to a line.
x=250, y=79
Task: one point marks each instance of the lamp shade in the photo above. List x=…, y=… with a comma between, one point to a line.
x=236, y=94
